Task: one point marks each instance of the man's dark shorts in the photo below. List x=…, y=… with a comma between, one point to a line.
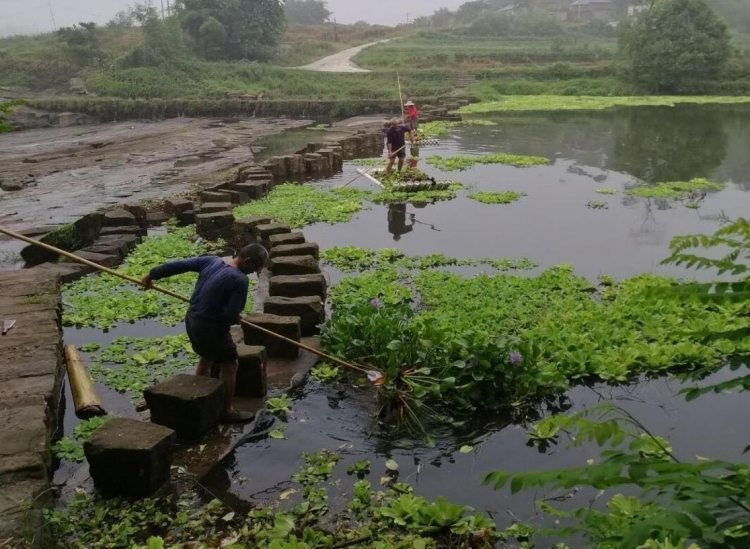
x=401, y=153
x=210, y=340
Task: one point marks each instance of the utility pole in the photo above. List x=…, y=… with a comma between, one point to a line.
x=408, y=18
x=162, y=9
x=52, y=14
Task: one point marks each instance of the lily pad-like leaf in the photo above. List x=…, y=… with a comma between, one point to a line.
x=391, y=465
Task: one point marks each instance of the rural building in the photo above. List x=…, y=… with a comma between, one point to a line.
x=590, y=10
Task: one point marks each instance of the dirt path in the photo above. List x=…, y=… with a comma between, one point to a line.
x=341, y=61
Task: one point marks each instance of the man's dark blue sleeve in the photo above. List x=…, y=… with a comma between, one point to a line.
x=195, y=264
x=236, y=302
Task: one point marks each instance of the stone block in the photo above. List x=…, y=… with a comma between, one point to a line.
x=105, y=260
x=281, y=239
x=237, y=197
x=156, y=218
x=133, y=229
x=186, y=218
x=262, y=176
x=294, y=164
x=128, y=457
x=253, y=189
x=251, y=374
x=212, y=207
x=298, y=286
x=79, y=234
x=118, y=218
x=242, y=230
x=119, y=245
x=306, y=248
x=175, y=206
x=212, y=196
x=315, y=164
x=214, y=225
x=265, y=231
x=66, y=272
x=191, y=405
x=287, y=326
x=309, y=309
x=139, y=211
x=294, y=265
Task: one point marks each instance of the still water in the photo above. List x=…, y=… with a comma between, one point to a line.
x=550, y=225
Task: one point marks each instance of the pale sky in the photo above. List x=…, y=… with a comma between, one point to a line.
x=18, y=16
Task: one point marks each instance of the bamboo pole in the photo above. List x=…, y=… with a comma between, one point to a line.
x=87, y=403
x=373, y=375
x=400, y=95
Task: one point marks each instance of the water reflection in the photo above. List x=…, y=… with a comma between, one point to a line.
x=397, y=224
x=670, y=144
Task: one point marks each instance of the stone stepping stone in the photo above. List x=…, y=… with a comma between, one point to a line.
x=214, y=225
x=118, y=218
x=214, y=196
x=128, y=457
x=309, y=309
x=294, y=265
x=213, y=207
x=251, y=375
x=253, y=189
x=298, y=286
x=286, y=250
x=191, y=405
x=176, y=206
x=295, y=237
x=287, y=326
x=265, y=231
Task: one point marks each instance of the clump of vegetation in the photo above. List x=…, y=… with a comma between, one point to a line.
x=441, y=128
x=675, y=189
x=499, y=341
x=355, y=259
x=5, y=108
x=132, y=364
x=582, y=102
x=597, y=205
x=71, y=448
x=300, y=205
x=454, y=163
x=415, y=197
x=487, y=197
x=102, y=301
x=606, y=190
x=391, y=517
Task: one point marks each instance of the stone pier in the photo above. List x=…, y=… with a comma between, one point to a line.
x=31, y=376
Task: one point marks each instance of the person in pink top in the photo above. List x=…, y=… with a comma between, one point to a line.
x=412, y=115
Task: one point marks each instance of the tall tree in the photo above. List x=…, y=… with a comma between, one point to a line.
x=676, y=46
x=306, y=12
x=242, y=29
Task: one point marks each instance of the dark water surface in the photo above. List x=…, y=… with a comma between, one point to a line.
x=551, y=225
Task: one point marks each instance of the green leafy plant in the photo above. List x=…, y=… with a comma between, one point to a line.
x=455, y=163
x=486, y=197
x=359, y=468
x=325, y=372
x=606, y=190
x=300, y=205
x=280, y=405
x=597, y=205
x=675, y=189
x=71, y=449
x=441, y=128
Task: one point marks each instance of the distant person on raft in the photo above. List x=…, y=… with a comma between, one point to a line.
x=396, y=144
x=217, y=302
x=412, y=116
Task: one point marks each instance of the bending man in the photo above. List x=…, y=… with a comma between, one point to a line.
x=217, y=302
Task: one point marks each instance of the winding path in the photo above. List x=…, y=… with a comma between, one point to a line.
x=341, y=61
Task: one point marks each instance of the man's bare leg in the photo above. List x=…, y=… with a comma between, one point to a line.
x=400, y=163
x=204, y=367
x=389, y=168
x=228, y=377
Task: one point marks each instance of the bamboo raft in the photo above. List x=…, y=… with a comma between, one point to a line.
x=407, y=186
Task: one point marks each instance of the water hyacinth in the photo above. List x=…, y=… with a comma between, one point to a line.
x=376, y=303
x=515, y=358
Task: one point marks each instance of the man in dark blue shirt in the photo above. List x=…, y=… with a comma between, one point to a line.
x=396, y=144
x=217, y=302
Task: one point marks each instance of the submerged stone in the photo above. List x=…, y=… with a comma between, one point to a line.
x=251, y=374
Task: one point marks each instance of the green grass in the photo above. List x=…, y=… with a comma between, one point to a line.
x=568, y=103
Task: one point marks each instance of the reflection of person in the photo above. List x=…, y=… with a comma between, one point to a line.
x=397, y=221
x=396, y=144
x=412, y=116
x=217, y=301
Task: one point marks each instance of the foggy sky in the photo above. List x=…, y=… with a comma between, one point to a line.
x=22, y=16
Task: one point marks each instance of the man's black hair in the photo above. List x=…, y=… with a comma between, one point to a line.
x=256, y=254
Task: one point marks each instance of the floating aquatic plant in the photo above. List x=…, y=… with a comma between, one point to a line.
x=456, y=163
x=597, y=205
x=488, y=197
x=675, y=189
x=606, y=190
x=441, y=128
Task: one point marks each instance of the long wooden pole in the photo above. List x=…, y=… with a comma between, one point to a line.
x=400, y=95
x=373, y=375
x=87, y=403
